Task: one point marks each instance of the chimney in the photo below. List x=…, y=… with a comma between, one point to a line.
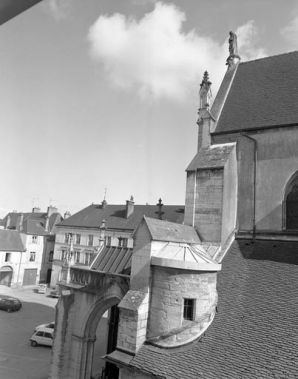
x=21, y=219
x=67, y=214
x=205, y=121
x=35, y=209
x=129, y=207
x=51, y=210
x=7, y=225
x=159, y=212
x=104, y=203
x=47, y=224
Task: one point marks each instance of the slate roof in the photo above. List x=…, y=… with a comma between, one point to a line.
x=114, y=216
x=255, y=332
x=171, y=232
x=264, y=93
x=10, y=240
x=33, y=222
x=214, y=157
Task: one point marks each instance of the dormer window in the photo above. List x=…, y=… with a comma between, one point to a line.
x=188, y=309
x=34, y=239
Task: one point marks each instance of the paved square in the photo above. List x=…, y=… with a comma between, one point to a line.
x=18, y=359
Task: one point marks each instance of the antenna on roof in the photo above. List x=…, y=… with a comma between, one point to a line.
x=105, y=194
x=33, y=201
x=50, y=199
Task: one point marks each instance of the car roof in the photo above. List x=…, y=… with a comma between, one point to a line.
x=4, y=297
x=47, y=330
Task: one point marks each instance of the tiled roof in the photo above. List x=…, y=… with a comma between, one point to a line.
x=264, y=93
x=10, y=240
x=33, y=222
x=116, y=260
x=213, y=157
x=34, y=227
x=255, y=332
x=171, y=232
x=114, y=216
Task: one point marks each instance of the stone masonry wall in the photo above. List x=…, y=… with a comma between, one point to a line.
x=133, y=317
x=209, y=204
x=190, y=198
x=169, y=289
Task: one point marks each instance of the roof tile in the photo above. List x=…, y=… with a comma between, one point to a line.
x=264, y=93
x=255, y=333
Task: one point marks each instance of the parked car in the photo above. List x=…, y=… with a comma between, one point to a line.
x=10, y=304
x=44, y=336
x=55, y=293
x=50, y=325
x=42, y=288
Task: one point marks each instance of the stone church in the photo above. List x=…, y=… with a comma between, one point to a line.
x=215, y=297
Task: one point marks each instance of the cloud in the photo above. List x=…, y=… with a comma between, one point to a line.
x=155, y=57
x=290, y=34
x=247, y=37
x=58, y=8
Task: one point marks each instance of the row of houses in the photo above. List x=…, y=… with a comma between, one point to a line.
x=34, y=245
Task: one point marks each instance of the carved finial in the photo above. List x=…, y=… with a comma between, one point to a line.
x=205, y=91
x=205, y=81
x=233, y=49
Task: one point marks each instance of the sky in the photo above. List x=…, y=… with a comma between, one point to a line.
x=99, y=98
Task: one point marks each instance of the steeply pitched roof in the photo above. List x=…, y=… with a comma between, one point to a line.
x=34, y=227
x=171, y=232
x=10, y=240
x=264, y=93
x=255, y=333
x=214, y=157
x=114, y=216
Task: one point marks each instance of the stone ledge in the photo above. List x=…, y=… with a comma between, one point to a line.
x=164, y=262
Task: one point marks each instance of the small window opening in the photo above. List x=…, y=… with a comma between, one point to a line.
x=188, y=311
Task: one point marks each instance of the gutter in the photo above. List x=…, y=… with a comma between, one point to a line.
x=254, y=184
x=253, y=129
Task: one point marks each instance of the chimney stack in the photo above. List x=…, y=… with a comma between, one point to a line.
x=104, y=203
x=129, y=207
x=7, y=224
x=21, y=220
x=47, y=224
x=35, y=209
x=51, y=210
x=67, y=214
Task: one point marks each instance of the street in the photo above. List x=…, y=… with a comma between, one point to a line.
x=18, y=359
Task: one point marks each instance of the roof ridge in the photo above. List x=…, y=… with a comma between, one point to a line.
x=269, y=57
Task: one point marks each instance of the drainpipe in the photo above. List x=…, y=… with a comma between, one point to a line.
x=254, y=184
x=19, y=267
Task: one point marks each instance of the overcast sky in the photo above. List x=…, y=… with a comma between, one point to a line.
x=102, y=95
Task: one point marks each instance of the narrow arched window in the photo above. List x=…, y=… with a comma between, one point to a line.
x=292, y=207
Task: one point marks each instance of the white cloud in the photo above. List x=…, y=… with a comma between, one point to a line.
x=290, y=34
x=247, y=37
x=58, y=8
x=155, y=57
